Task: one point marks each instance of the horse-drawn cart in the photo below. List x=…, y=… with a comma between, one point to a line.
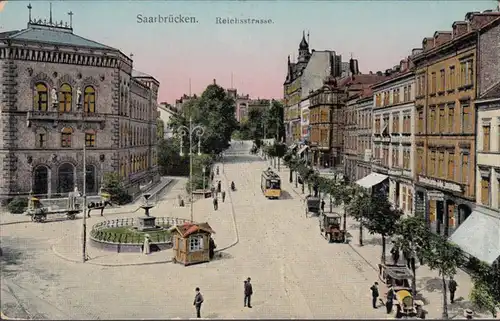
x=313, y=205
x=329, y=225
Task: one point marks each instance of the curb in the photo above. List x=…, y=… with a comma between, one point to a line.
x=4, y=317
x=235, y=226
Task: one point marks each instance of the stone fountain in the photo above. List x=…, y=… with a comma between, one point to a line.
x=147, y=222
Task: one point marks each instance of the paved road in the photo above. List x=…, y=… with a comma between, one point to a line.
x=295, y=272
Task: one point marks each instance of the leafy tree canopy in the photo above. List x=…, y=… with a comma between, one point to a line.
x=214, y=110
x=160, y=128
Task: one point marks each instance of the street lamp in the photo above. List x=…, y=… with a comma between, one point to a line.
x=190, y=131
x=203, y=170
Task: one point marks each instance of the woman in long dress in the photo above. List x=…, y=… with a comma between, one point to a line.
x=147, y=245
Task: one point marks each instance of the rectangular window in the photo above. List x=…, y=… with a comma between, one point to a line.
x=442, y=119
x=466, y=118
x=395, y=157
x=432, y=120
x=404, y=198
x=405, y=94
x=465, y=168
x=442, y=80
x=451, y=78
x=485, y=191
x=407, y=124
x=89, y=139
x=196, y=243
x=420, y=161
x=410, y=201
x=466, y=73
x=451, y=166
x=41, y=140
x=432, y=163
x=441, y=170
x=65, y=139
x=420, y=124
x=395, y=123
x=433, y=83
x=377, y=125
x=486, y=138
x=451, y=118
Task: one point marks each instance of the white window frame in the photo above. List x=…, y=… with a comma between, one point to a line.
x=196, y=243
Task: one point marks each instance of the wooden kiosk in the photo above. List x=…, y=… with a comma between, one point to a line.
x=192, y=242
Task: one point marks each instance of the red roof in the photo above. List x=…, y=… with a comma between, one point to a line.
x=187, y=229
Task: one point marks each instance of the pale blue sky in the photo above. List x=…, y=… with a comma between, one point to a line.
x=378, y=33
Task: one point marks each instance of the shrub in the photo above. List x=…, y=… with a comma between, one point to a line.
x=112, y=184
x=18, y=205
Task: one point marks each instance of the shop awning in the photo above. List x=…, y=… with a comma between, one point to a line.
x=484, y=245
x=371, y=180
x=302, y=150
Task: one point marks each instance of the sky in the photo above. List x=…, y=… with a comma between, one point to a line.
x=377, y=33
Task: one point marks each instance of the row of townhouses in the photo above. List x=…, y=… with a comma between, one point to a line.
x=426, y=131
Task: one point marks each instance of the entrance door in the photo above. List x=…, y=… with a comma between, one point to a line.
x=41, y=181
x=66, y=178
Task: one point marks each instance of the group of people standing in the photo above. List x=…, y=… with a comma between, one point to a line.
x=247, y=293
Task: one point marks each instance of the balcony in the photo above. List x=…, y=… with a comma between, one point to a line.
x=386, y=139
x=377, y=139
x=65, y=117
x=405, y=139
x=379, y=168
x=407, y=173
x=395, y=138
x=395, y=172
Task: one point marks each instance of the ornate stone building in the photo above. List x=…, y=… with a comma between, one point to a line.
x=59, y=92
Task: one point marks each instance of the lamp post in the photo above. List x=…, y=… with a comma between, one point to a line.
x=190, y=131
x=203, y=170
x=84, y=192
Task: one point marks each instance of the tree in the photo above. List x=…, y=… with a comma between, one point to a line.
x=359, y=209
x=169, y=160
x=214, y=110
x=160, y=128
x=444, y=257
x=414, y=238
x=481, y=296
x=273, y=120
x=112, y=184
x=485, y=294
x=255, y=123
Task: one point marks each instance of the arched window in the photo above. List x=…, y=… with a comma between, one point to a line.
x=65, y=98
x=89, y=100
x=90, y=138
x=40, y=97
x=66, y=134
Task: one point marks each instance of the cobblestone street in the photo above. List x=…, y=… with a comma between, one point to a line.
x=295, y=272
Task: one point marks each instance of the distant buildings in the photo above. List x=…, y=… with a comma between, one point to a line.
x=60, y=91
x=243, y=104
x=166, y=112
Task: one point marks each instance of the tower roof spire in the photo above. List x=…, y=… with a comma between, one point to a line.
x=50, y=14
x=303, y=43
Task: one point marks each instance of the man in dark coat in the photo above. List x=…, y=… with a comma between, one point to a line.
x=211, y=248
x=452, y=285
x=216, y=204
x=375, y=294
x=395, y=254
x=323, y=206
x=248, y=293
x=198, y=300
x=218, y=187
x=223, y=196
x=389, y=300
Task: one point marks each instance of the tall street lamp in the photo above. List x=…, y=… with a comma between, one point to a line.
x=190, y=131
x=203, y=170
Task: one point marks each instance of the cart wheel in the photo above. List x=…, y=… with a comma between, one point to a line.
x=43, y=218
x=71, y=216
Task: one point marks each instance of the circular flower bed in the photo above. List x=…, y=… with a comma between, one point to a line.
x=119, y=234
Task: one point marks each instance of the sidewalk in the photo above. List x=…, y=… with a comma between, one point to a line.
x=429, y=283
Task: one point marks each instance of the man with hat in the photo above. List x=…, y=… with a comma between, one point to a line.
x=248, y=293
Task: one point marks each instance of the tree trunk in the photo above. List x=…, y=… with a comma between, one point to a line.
x=296, y=179
x=414, y=285
x=331, y=205
x=279, y=168
x=382, y=258
x=290, y=179
x=360, y=234
x=445, y=298
x=303, y=186
x=274, y=162
x=345, y=223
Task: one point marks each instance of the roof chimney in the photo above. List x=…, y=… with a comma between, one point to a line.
x=416, y=51
x=428, y=43
x=479, y=20
x=440, y=37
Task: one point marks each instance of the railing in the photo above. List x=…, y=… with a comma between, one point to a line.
x=65, y=116
x=99, y=233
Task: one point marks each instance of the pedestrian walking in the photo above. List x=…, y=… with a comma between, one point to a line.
x=452, y=286
x=248, y=293
x=407, y=257
x=375, y=294
x=217, y=170
x=212, y=176
x=395, y=253
x=146, y=248
x=323, y=206
x=211, y=248
x=223, y=196
x=198, y=300
x=219, y=187
x=212, y=190
x=389, y=302
x=216, y=204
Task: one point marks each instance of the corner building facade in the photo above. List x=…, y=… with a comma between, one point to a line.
x=446, y=86
x=60, y=91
